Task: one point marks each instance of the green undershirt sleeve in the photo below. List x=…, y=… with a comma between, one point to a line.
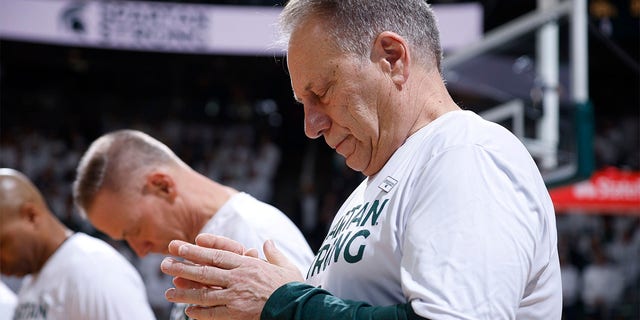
x=298, y=300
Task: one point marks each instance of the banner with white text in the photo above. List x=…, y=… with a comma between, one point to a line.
x=179, y=27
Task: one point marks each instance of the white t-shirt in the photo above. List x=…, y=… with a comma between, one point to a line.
x=251, y=222
x=459, y=222
x=8, y=301
x=84, y=279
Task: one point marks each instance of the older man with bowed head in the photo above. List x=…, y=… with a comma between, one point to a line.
x=453, y=219
x=133, y=187
x=69, y=276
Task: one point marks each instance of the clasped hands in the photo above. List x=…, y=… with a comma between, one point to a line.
x=223, y=280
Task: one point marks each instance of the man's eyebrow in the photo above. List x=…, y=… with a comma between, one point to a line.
x=307, y=89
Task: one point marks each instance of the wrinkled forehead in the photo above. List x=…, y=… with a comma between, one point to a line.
x=310, y=48
x=311, y=33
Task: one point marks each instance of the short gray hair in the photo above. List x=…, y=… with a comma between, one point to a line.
x=114, y=159
x=356, y=23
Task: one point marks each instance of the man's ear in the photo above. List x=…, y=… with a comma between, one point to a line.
x=162, y=185
x=29, y=212
x=391, y=52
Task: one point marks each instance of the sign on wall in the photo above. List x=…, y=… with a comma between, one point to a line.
x=178, y=27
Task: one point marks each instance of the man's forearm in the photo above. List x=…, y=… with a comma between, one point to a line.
x=301, y=301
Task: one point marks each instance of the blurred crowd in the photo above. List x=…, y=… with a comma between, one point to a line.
x=229, y=154
x=600, y=263
x=617, y=142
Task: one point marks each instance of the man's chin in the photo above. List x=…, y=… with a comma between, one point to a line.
x=354, y=165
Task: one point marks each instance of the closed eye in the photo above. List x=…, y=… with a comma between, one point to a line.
x=324, y=92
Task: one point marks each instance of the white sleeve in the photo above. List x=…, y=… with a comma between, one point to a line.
x=115, y=294
x=468, y=243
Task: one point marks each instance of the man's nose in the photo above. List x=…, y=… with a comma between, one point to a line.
x=141, y=248
x=315, y=122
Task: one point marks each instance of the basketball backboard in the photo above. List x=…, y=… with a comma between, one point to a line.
x=523, y=79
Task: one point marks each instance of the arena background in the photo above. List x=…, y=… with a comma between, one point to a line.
x=233, y=118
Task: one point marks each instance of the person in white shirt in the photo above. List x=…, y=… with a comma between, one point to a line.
x=453, y=219
x=133, y=187
x=571, y=282
x=602, y=285
x=67, y=276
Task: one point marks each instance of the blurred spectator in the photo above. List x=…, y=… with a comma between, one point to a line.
x=570, y=288
x=625, y=252
x=602, y=286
